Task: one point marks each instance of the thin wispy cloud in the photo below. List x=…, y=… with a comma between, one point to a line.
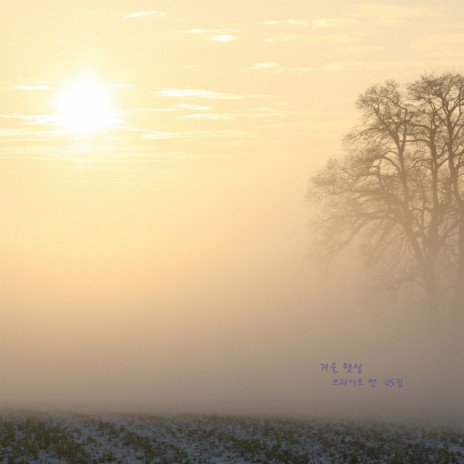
x=196, y=93
x=230, y=116
x=304, y=69
x=223, y=38
x=181, y=107
x=282, y=38
x=160, y=135
x=120, y=85
x=441, y=45
x=187, y=106
x=7, y=132
x=289, y=22
x=263, y=112
x=370, y=65
x=362, y=48
x=217, y=35
x=210, y=116
x=324, y=23
x=265, y=65
x=329, y=23
x=31, y=119
x=196, y=31
x=13, y=116
x=271, y=23
x=141, y=14
x=31, y=87
x=296, y=22
x=276, y=67
x=389, y=13
x=151, y=110
x=27, y=128
x=344, y=66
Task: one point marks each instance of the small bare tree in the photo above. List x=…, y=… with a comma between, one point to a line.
x=399, y=190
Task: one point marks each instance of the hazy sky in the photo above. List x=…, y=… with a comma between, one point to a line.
x=160, y=261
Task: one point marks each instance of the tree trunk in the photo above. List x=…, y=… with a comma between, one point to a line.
x=456, y=316
x=435, y=315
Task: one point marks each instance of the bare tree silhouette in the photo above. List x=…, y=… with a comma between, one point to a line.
x=399, y=191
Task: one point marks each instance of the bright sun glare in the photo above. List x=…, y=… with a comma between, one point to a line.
x=85, y=106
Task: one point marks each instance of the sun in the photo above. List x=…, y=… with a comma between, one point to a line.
x=85, y=106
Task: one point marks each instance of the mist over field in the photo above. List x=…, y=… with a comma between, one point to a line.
x=231, y=348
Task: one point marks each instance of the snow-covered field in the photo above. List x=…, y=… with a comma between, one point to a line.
x=40, y=438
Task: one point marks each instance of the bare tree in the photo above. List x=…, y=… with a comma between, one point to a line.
x=399, y=191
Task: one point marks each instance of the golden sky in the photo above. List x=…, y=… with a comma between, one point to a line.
x=153, y=223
